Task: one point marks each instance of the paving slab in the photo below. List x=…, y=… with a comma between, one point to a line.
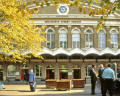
x=24, y=90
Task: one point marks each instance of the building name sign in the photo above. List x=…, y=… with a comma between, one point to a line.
x=72, y=22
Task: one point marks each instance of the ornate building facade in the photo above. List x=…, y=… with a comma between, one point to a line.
x=74, y=45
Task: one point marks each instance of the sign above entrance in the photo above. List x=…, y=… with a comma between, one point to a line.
x=63, y=9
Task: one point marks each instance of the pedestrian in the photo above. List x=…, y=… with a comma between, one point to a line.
x=100, y=71
x=93, y=79
x=32, y=81
x=108, y=76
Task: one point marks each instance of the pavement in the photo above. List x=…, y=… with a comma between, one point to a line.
x=24, y=90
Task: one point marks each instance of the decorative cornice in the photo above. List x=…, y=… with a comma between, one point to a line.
x=83, y=52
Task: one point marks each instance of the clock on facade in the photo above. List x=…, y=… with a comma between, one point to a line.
x=63, y=9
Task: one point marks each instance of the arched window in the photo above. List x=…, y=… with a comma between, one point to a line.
x=63, y=38
x=101, y=39
x=50, y=39
x=88, y=39
x=75, y=38
x=114, y=39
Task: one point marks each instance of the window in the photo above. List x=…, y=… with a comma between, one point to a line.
x=75, y=39
x=50, y=39
x=114, y=39
x=11, y=70
x=38, y=70
x=101, y=39
x=88, y=39
x=63, y=38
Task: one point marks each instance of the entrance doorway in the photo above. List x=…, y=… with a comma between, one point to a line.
x=76, y=73
x=50, y=74
x=1, y=74
x=24, y=74
x=63, y=73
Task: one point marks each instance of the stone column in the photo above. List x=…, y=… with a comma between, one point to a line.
x=57, y=71
x=4, y=71
x=95, y=38
x=108, y=41
x=43, y=71
x=82, y=37
x=83, y=71
x=56, y=36
x=69, y=37
x=70, y=73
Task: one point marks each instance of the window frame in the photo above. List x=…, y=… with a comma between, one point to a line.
x=77, y=42
x=114, y=32
x=63, y=42
x=88, y=44
x=100, y=37
x=51, y=42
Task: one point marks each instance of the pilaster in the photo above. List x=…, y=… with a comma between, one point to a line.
x=82, y=40
x=69, y=39
x=56, y=36
x=108, y=41
x=95, y=37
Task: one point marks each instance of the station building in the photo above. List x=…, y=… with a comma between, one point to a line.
x=74, y=45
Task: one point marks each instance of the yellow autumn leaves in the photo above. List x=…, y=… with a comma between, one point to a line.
x=17, y=33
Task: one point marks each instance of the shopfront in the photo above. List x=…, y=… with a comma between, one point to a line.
x=50, y=72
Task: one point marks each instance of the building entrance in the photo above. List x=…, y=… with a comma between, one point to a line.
x=50, y=74
x=24, y=74
x=63, y=73
x=76, y=73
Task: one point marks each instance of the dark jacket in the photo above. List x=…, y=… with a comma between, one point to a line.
x=93, y=75
x=26, y=76
x=31, y=77
x=100, y=71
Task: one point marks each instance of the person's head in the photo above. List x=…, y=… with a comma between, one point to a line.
x=93, y=66
x=101, y=65
x=31, y=70
x=109, y=65
x=106, y=65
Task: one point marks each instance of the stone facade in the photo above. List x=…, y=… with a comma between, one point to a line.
x=62, y=64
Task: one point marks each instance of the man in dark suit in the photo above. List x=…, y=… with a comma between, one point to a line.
x=100, y=71
x=93, y=79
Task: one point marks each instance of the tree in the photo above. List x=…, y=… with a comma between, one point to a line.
x=18, y=34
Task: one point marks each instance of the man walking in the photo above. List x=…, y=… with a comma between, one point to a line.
x=108, y=77
x=32, y=82
x=93, y=79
